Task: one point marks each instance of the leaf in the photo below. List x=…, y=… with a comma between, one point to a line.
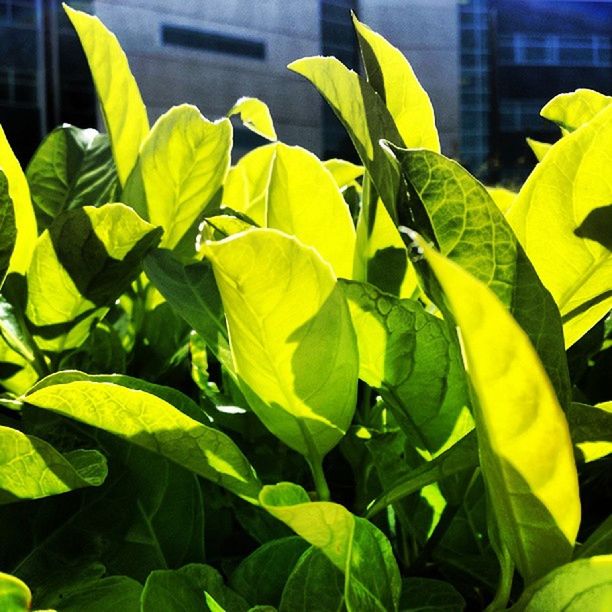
x=30, y=468
x=255, y=115
x=192, y=292
x=598, y=543
x=315, y=584
x=71, y=168
x=563, y=218
x=585, y=584
x=344, y=172
x=80, y=266
x=14, y=594
x=16, y=372
x=110, y=593
x=540, y=149
x=182, y=164
x=392, y=77
x=124, y=112
x=291, y=337
x=591, y=429
x=412, y=358
x=261, y=577
x=572, y=110
x=471, y=231
x=183, y=590
x=502, y=197
x=154, y=424
x=304, y=201
x=8, y=228
x=525, y=449
x=19, y=193
x=354, y=545
x=429, y=595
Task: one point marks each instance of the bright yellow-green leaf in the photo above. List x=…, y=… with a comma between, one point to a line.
x=304, y=201
x=563, y=218
x=124, y=112
x=15, y=596
x=218, y=227
x=31, y=468
x=80, y=266
x=571, y=110
x=354, y=545
x=344, y=172
x=255, y=115
x=584, y=585
x=291, y=336
x=525, y=447
x=182, y=164
x=24, y=375
x=25, y=220
x=392, y=77
x=591, y=429
x=502, y=197
x=246, y=186
x=152, y=423
x=8, y=228
x=540, y=149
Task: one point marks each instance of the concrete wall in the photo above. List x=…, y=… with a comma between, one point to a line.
x=427, y=32
x=169, y=75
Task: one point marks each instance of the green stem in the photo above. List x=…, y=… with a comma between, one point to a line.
x=315, y=461
x=500, y=601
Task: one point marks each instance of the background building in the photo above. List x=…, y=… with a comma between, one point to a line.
x=488, y=65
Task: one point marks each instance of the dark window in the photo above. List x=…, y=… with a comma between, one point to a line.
x=192, y=38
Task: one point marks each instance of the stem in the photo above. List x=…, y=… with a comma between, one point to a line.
x=315, y=461
x=500, y=601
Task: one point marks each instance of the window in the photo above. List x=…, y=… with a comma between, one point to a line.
x=192, y=38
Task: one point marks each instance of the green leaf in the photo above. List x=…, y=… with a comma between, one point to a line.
x=14, y=594
x=30, y=468
x=563, y=218
x=80, y=266
x=111, y=593
x=411, y=356
x=8, y=228
x=540, y=149
x=582, y=585
x=124, y=112
x=591, y=429
x=71, y=168
x=354, y=545
x=392, y=77
x=154, y=424
x=502, y=197
x=471, y=231
x=598, y=543
x=344, y=172
x=255, y=115
x=182, y=164
x=304, y=201
x=571, y=110
x=429, y=595
x=261, y=577
x=291, y=337
x=525, y=448
x=183, y=590
x=19, y=193
x=315, y=584
x=192, y=292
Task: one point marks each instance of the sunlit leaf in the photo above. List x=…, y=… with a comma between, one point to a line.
x=540, y=149
x=344, y=172
x=124, y=112
x=591, y=429
x=571, y=110
x=8, y=228
x=15, y=596
x=255, y=115
x=525, y=448
x=502, y=197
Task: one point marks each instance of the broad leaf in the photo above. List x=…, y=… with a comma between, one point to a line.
x=255, y=115
x=502, y=197
x=31, y=468
x=582, y=585
x=8, y=228
x=154, y=424
x=80, y=266
x=411, y=356
x=70, y=169
x=540, y=149
x=571, y=110
x=124, y=112
x=345, y=173
x=599, y=542
x=354, y=545
x=525, y=448
x=304, y=201
x=470, y=230
x=15, y=596
x=563, y=218
x=111, y=593
x=429, y=595
x=19, y=193
x=591, y=429
x=392, y=77
x=182, y=164
x=291, y=337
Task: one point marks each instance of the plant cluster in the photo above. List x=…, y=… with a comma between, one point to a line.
x=295, y=385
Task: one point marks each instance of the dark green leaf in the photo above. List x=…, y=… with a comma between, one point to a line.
x=428, y=595
x=8, y=228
